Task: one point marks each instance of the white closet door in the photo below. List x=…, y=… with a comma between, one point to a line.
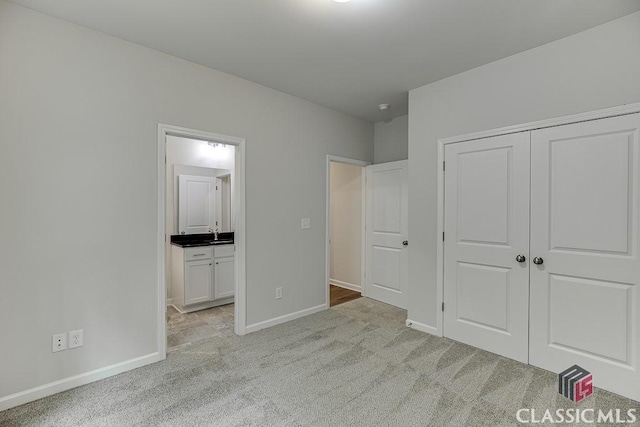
x=486, y=290
x=584, y=227
x=387, y=227
x=196, y=204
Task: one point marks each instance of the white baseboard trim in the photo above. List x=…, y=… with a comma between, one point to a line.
x=286, y=318
x=45, y=390
x=345, y=285
x=423, y=328
x=169, y=301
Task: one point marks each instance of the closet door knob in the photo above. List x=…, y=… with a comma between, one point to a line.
x=521, y=258
x=405, y=243
x=537, y=260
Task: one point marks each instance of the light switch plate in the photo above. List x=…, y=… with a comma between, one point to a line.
x=306, y=223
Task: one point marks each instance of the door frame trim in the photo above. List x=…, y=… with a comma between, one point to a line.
x=238, y=200
x=525, y=127
x=327, y=267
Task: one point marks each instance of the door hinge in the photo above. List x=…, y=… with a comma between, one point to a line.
x=443, y=167
x=442, y=306
x=443, y=236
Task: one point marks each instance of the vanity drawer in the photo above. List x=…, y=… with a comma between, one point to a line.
x=194, y=254
x=224, y=250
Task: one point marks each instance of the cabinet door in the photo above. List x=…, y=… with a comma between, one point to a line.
x=585, y=286
x=225, y=277
x=198, y=278
x=486, y=270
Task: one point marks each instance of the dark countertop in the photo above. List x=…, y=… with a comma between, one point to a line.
x=196, y=240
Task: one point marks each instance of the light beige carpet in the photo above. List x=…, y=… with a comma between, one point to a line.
x=353, y=365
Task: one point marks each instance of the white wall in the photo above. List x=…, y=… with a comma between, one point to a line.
x=79, y=114
x=391, y=140
x=591, y=70
x=346, y=223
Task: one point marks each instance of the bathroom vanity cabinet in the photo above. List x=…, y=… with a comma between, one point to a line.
x=202, y=277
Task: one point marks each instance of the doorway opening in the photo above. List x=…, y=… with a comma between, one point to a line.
x=201, y=236
x=345, y=229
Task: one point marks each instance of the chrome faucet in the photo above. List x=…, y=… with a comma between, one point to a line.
x=215, y=234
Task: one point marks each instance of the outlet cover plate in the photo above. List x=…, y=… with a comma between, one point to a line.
x=278, y=293
x=306, y=223
x=59, y=342
x=76, y=338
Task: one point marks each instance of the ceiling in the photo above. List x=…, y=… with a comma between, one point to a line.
x=346, y=56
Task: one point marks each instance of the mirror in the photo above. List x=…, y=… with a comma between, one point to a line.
x=203, y=199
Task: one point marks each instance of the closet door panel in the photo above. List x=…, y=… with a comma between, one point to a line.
x=584, y=228
x=486, y=227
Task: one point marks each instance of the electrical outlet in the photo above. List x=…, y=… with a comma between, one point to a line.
x=306, y=223
x=278, y=293
x=76, y=338
x=59, y=342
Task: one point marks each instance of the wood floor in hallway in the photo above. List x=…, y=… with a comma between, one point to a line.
x=341, y=295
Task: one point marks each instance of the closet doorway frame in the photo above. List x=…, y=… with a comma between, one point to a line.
x=327, y=248
x=525, y=127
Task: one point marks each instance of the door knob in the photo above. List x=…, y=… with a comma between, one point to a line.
x=405, y=243
x=521, y=258
x=537, y=260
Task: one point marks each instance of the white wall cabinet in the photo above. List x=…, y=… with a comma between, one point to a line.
x=541, y=255
x=202, y=277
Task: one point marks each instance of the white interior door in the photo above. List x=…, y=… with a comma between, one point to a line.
x=386, y=229
x=584, y=229
x=196, y=204
x=486, y=289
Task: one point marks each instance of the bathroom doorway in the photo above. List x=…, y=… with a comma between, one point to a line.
x=201, y=227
